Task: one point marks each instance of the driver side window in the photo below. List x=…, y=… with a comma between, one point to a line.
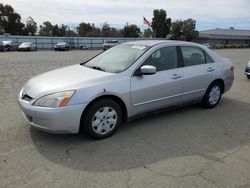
x=163, y=59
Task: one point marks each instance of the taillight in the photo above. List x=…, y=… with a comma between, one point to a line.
x=232, y=68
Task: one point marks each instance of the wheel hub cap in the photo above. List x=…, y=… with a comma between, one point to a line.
x=214, y=95
x=104, y=120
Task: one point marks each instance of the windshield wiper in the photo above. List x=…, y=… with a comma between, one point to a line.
x=97, y=68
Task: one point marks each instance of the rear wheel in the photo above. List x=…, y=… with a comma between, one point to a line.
x=102, y=119
x=213, y=95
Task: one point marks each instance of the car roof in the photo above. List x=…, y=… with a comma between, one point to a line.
x=156, y=42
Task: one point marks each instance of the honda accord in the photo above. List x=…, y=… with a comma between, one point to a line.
x=131, y=78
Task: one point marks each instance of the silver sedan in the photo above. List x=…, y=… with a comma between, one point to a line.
x=27, y=46
x=129, y=79
x=247, y=71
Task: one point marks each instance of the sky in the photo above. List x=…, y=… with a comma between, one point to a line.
x=208, y=14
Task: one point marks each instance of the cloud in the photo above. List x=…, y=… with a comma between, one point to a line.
x=212, y=12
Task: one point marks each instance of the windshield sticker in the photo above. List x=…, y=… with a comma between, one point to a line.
x=139, y=47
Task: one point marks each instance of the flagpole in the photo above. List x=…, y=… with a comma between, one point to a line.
x=143, y=25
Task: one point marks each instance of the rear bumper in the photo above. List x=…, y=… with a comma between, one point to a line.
x=53, y=120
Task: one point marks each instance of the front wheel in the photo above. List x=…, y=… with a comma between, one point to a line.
x=213, y=95
x=102, y=119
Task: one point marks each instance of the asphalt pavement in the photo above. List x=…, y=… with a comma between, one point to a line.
x=185, y=147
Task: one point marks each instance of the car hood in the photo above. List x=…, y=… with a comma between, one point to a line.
x=60, y=45
x=24, y=45
x=67, y=78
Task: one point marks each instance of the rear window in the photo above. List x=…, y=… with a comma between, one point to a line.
x=208, y=58
x=192, y=56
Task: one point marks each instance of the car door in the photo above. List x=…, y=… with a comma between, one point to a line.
x=161, y=89
x=198, y=71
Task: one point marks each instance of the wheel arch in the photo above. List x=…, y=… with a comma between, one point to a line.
x=117, y=99
x=221, y=81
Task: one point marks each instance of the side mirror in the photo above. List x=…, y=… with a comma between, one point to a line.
x=148, y=70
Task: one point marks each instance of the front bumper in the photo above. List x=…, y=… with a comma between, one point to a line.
x=54, y=120
x=247, y=71
x=23, y=49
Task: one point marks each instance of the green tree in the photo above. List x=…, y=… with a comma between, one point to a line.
x=176, y=31
x=106, y=30
x=83, y=29
x=1, y=30
x=31, y=26
x=70, y=33
x=160, y=23
x=59, y=31
x=131, y=31
x=10, y=21
x=189, y=31
x=88, y=30
x=95, y=32
x=184, y=30
x=46, y=29
x=148, y=33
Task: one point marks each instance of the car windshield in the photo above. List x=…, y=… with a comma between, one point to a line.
x=26, y=43
x=6, y=42
x=117, y=59
x=111, y=42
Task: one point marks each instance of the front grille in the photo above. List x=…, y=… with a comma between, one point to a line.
x=26, y=97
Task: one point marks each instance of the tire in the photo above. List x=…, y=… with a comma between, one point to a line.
x=248, y=76
x=102, y=119
x=213, y=95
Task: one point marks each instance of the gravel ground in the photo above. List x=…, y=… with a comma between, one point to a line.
x=186, y=147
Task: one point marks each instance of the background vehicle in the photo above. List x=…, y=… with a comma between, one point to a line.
x=237, y=45
x=109, y=44
x=218, y=46
x=10, y=45
x=207, y=45
x=83, y=47
x=245, y=45
x=154, y=75
x=247, y=71
x=228, y=46
x=2, y=48
x=62, y=46
x=27, y=46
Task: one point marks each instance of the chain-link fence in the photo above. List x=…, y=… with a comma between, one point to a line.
x=74, y=42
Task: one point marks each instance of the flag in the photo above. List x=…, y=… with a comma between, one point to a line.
x=145, y=21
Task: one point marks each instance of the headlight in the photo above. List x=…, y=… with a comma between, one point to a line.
x=54, y=100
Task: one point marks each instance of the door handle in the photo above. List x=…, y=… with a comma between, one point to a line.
x=176, y=76
x=210, y=69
